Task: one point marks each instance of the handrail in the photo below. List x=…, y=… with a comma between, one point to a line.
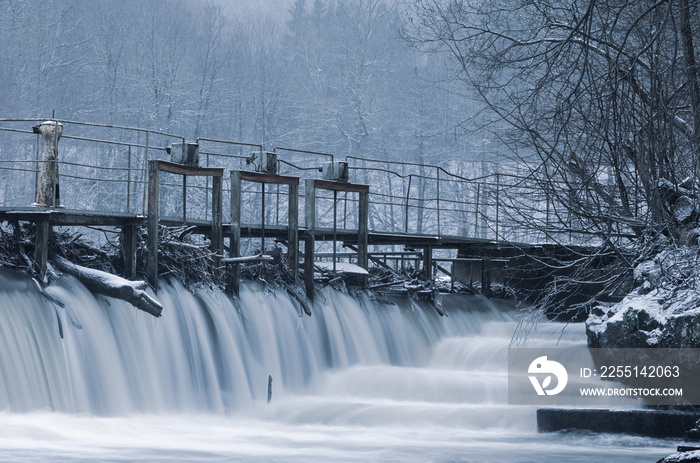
x=445, y=203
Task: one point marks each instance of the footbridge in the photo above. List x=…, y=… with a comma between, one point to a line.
x=246, y=200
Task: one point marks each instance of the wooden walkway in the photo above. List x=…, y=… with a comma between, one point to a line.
x=44, y=218
x=137, y=180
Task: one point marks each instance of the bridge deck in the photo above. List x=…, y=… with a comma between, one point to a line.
x=70, y=217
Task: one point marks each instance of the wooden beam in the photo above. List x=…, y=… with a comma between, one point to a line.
x=363, y=232
x=41, y=244
x=217, y=237
x=341, y=186
x=293, y=225
x=181, y=169
x=310, y=222
x=267, y=178
x=443, y=269
x=486, y=277
x=73, y=218
x=427, y=262
x=129, y=248
x=234, y=273
x=153, y=189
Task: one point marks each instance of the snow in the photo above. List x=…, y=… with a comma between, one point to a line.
x=658, y=294
x=649, y=303
x=685, y=456
x=660, y=302
x=342, y=267
x=646, y=269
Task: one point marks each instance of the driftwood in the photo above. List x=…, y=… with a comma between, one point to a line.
x=269, y=388
x=299, y=296
x=188, y=246
x=243, y=260
x=112, y=286
x=384, y=285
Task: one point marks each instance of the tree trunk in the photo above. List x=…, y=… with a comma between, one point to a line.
x=691, y=76
x=112, y=286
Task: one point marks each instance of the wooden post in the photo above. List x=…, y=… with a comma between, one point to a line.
x=427, y=262
x=498, y=200
x=486, y=277
x=408, y=195
x=48, y=193
x=476, y=211
x=235, y=238
x=438, y=200
x=184, y=199
x=41, y=246
x=153, y=189
x=217, y=238
x=269, y=388
x=363, y=232
x=129, y=247
x=293, y=226
x=310, y=222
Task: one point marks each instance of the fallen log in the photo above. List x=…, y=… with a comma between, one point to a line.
x=384, y=285
x=243, y=260
x=112, y=286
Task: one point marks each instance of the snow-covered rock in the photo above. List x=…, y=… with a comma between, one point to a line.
x=663, y=310
x=682, y=457
x=685, y=210
x=659, y=318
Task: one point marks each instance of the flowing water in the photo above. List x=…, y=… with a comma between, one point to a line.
x=359, y=380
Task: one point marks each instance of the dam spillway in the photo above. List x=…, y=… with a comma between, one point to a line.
x=360, y=380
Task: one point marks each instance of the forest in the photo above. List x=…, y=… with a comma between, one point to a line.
x=324, y=76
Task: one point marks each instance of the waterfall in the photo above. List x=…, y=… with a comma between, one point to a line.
x=359, y=380
x=207, y=353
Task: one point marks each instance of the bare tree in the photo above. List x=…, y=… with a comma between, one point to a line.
x=599, y=99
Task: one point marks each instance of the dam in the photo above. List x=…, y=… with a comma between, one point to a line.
x=360, y=380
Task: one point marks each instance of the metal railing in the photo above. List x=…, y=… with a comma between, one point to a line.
x=103, y=168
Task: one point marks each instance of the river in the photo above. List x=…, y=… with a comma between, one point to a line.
x=359, y=380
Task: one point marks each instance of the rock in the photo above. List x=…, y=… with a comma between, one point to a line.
x=684, y=210
x=634, y=327
x=684, y=457
x=652, y=423
x=638, y=328
x=682, y=330
x=597, y=311
x=693, y=434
